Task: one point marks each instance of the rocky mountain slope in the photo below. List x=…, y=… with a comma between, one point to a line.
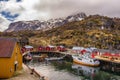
x=95, y=30
x=44, y=25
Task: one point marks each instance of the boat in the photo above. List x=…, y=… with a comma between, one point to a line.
x=53, y=58
x=85, y=59
x=27, y=57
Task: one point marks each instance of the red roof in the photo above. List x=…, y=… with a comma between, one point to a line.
x=107, y=54
x=110, y=54
x=116, y=55
x=7, y=47
x=83, y=51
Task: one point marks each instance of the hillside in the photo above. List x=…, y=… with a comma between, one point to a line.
x=98, y=31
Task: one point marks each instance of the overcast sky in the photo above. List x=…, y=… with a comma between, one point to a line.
x=17, y=10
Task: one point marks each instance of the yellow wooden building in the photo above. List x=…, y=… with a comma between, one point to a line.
x=10, y=57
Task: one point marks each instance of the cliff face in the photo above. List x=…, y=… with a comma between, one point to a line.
x=44, y=25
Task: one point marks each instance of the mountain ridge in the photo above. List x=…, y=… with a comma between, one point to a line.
x=44, y=25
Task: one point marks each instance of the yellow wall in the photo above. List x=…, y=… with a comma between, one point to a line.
x=7, y=64
x=5, y=67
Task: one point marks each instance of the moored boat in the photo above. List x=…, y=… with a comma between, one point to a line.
x=85, y=59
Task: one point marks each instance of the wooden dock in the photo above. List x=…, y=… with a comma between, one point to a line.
x=107, y=59
x=54, y=58
x=25, y=53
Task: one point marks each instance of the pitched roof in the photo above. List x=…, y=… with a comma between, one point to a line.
x=77, y=48
x=28, y=46
x=7, y=47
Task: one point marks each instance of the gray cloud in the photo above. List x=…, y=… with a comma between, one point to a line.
x=61, y=8
x=3, y=23
x=47, y=9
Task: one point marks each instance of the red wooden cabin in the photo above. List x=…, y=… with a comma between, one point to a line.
x=23, y=49
x=41, y=48
x=50, y=48
x=61, y=48
x=111, y=56
x=26, y=48
x=106, y=55
x=116, y=56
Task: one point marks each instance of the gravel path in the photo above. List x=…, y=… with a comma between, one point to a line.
x=25, y=74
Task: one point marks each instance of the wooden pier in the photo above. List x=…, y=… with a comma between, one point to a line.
x=108, y=59
x=109, y=64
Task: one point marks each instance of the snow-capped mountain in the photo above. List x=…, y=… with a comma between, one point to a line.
x=44, y=25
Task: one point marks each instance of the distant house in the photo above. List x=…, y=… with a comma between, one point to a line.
x=61, y=48
x=50, y=48
x=10, y=57
x=41, y=48
x=26, y=48
x=77, y=49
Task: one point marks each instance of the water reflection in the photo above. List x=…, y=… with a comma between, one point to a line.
x=93, y=73
x=62, y=70
x=85, y=70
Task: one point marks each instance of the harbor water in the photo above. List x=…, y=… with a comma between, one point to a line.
x=63, y=70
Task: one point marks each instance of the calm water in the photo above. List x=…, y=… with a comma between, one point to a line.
x=62, y=70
